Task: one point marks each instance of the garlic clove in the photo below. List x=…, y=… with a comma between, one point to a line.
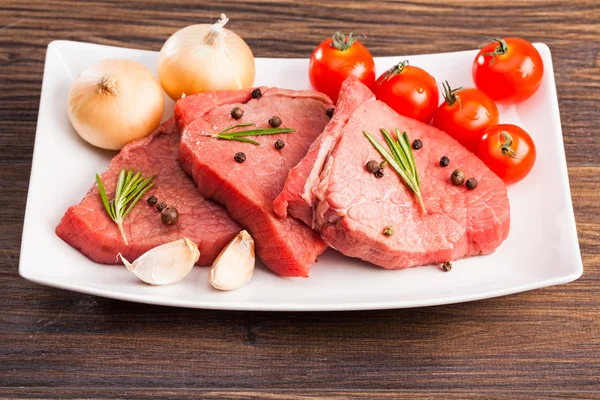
x=234, y=266
x=165, y=264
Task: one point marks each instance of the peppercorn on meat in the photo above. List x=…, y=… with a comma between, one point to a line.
x=246, y=177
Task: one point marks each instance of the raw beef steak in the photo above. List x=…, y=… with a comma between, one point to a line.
x=247, y=189
x=87, y=227
x=334, y=193
x=297, y=196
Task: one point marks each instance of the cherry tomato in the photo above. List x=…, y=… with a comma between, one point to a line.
x=508, y=151
x=509, y=70
x=465, y=115
x=409, y=90
x=337, y=58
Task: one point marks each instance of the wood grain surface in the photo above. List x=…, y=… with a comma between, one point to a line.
x=543, y=344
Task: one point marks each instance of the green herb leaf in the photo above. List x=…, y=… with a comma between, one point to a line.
x=240, y=139
x=143, y=188
x=408, y=151
x=104, y=197
x=239, y=136
x=401, y=159
x=130, y=188
x=120, y=183
x=137, y=188
x=259, y=132
x=131, y=182
x=392, y=161
x=397, y=151
x=235, y=126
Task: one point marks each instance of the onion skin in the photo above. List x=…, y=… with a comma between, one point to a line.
x=202, y=58
x=114, y=102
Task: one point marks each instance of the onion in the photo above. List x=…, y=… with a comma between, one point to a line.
x=114, y=102
x=202, y=58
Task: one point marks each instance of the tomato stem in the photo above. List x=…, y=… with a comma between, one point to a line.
x=506, y=149
x=450, y=94
x=342, y=42
x=395, y=70
x=501, y=48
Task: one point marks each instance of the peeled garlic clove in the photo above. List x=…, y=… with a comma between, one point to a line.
x=234, y=266
x=165, y=264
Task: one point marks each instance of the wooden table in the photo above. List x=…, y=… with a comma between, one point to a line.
x=536, y=345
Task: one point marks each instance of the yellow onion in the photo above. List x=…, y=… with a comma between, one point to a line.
x=114, y=102
x=202, y=58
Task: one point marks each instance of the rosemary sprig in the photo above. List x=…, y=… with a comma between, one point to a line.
x=401, y=159
x=239, y=136
x=130, y=188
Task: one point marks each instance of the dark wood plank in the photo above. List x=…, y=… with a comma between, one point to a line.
x=44, y=393
x=543, y=344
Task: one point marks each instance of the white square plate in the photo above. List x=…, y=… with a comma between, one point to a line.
x=541, y=250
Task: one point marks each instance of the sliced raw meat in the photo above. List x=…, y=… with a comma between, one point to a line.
x=297, y=196
x=351, y=207
x=87, y=227
x=247, y=189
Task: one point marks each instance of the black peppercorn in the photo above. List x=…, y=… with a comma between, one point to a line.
x=471, y=183
x=274, y=121
x=169, y=216
x=237, y=113
x=447, y=266
x=256, y=93
x=379, y=173
x=330, y=112
x=372, y=166
x=279, y=144
x=152, y=200
x=161, y=206
x=388, y=230
x=239, y=157
x=417, y=144
x=444, y=161
x=457, y=177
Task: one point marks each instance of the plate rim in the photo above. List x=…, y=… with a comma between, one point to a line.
x=305, y=307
